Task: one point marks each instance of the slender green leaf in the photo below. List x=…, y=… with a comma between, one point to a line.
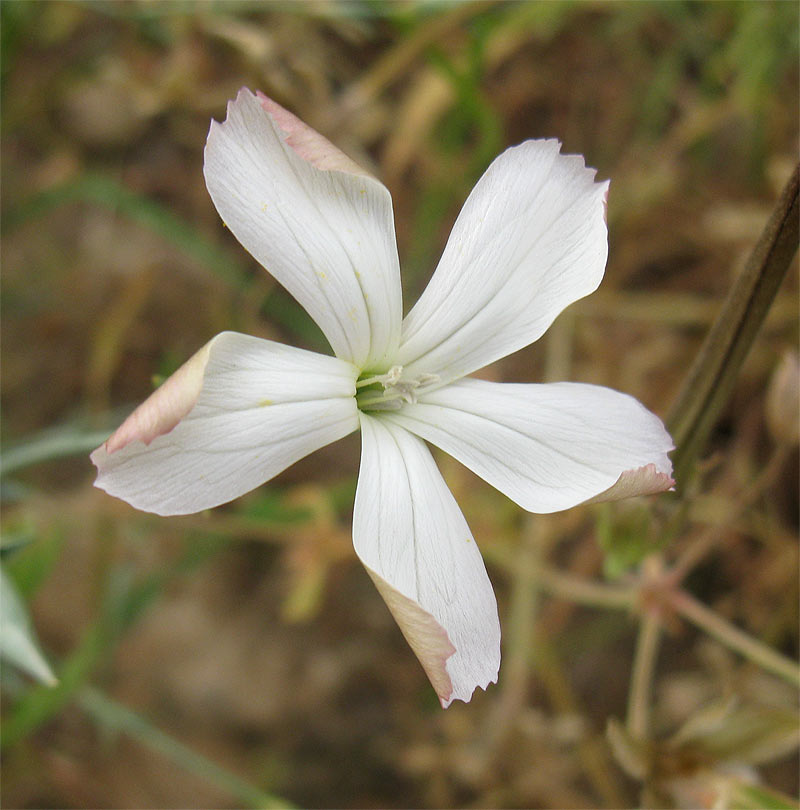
x=54, y=443
x=109, y=193
x=125, y=602
x=119, y=718
x=18, y=643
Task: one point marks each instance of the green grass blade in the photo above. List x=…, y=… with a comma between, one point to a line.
x=51, y=444
x=40, y=703
x=125, y=602
x=108, y=193
x=119, y=718
x=18, y=642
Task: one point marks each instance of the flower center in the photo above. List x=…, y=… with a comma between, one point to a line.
x=385, y=392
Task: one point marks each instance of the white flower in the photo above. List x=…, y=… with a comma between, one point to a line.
x=530, y=240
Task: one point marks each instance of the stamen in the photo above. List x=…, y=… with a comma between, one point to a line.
x=396, y=389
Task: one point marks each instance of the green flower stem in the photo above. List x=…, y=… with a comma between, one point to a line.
x=711, y=378
x=733, y=638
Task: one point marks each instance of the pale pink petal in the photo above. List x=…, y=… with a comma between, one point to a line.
x=645, y=480
x=319, y=224
x=547, y=447
x=244, y=410
x=530, y=240
x=424, y=634
x=162, y=410
x=308, y=143
x=410, y=534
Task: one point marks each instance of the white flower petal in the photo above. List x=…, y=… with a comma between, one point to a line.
x=547, y=447
x=417, y=547
x=530, y=240
x=318, y=223
x=238, y=413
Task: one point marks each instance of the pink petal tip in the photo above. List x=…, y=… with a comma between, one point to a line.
x=162, y=410
x=647, y=480
x=307, y=142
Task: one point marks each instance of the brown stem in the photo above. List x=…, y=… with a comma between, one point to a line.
x=733, y=638
x=711, y=378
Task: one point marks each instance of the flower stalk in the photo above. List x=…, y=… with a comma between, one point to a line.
x=710, y=380
x=733, y=638
x=648, y=642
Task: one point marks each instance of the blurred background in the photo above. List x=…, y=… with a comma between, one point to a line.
x=241, y=657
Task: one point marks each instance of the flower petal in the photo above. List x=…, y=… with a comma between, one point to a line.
x=165, y=407
x=647, y=480
x=307, y=142
x=238, y=413
x=417, y=547
x=318, y=223
x=547, y=447
x=530, y=240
